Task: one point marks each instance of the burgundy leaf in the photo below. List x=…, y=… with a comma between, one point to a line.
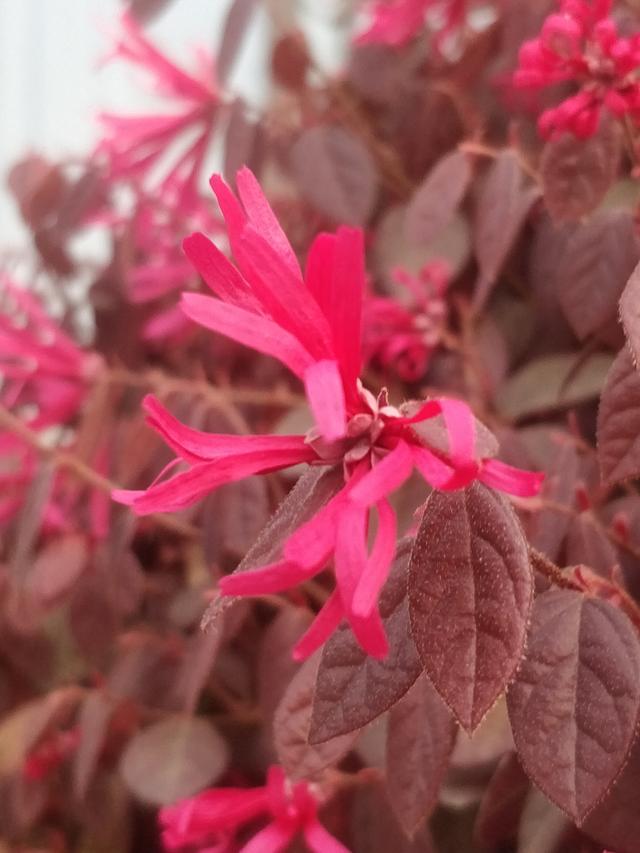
x=242, y=142
x=276, y=666
x=595, y=266
x=630, y=313
x=502, y=802
x=38, y=187
x=291, y=723
x=198, y=661
x=502, y=208
x=314, y=488
x=335, y=172
x=470, y=592
x=173, y=759
x=588, y=544
x=146, y=10
x=353, y=688
x=420, y=738
x=235, y=26
x=290, y=61
x=93, y=723
x=615, y=822
x=619, y=422
x=57, y=567
x=437, y=198
x=574, y=704
x=576, y=173
x=374, y=828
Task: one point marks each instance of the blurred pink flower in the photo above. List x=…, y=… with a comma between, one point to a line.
x=399, y=337
x=43, y=371
x=208, y=822
x=580, y=44
x=135, y=144
x=396, y=22
x=312, y=324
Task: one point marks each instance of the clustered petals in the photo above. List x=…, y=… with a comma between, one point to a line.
x=135, y=145
x=312, y=323
x=401, y=337
x=210, y=821
x=396, y=22
x=580, y=44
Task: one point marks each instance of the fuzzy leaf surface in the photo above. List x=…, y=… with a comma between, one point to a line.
x=619, y=422
x=437, y=198
x=353, y=688
x=630, y=313
x=575, y=702
x=470, y=593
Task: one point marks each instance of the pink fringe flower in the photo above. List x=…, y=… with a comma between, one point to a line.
x=51, y=754
x=312, y=324
x=580, y=44
x=41, y=367
x=402, y=338
x=397, y=22
x=136, y=144
x=208, y=822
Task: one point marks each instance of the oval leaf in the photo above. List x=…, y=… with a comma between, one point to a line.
x=334, y=170
x=437, y=198
x=173, y=759
x=470, y=592
x=576, y=173
x=575, y=702
x=291, y=723
x=353, y=688
x=619, y=422
x=420, y=738
x=502, y=208
x=630, y=313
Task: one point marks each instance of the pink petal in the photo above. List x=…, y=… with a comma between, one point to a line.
x=262, y=217
x=258, y=333
x=282, y=294
x=272, y=839
x=461, y=428
x=214, y=810
x=218, y=273
x=275, y=577
x=321, y=841
x=323, y=386
x=514, y=481
x=322, y=627
x=436, y=472
x=336, y=277
x=312, y=544
x=234, y=216
x=184, y=489
x=384, y=477
x=379, y=562
x=197, y=446
x=350, y=557
x=369, y=632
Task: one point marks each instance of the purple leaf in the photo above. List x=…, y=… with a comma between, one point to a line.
x=503, y=206
x=619, y=422
x=420, y=738
x=595, y=266
x=574, y=704
x=470, y=592
x=502, y=802
x=576, y=173
x=630, y=313
x=336, y=173
x=291, y=723
x=173, y=759
x=353, y=688
x=235, y=26
x=436, y=200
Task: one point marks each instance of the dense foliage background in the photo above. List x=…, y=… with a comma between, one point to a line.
x=490, y=151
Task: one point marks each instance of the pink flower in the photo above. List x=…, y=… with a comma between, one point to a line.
x=41, y=367
x=402, y=338
x=208, y=822
x=396, y=22
x=312, y=324
x=136, y=144
x=160, y=269
x=580, y=44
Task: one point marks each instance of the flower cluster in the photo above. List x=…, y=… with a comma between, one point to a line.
x=135, y=145
x=401, y=338
x=396, y=22
x=580, y=44
x=312, y=323
x=210, y=821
